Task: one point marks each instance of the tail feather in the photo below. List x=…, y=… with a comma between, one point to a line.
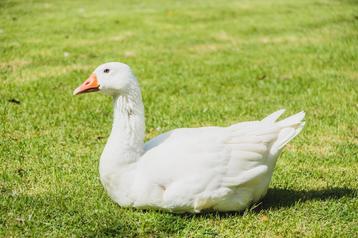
x=292, y=121
x=291, y=127
x=274, y=116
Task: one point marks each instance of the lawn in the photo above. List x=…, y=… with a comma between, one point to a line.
x=203, y=63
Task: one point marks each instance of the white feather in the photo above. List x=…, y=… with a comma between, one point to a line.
x=189, y=169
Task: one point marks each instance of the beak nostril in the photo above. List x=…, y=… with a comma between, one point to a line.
x=87, y=83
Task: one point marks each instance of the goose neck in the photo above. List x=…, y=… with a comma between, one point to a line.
x=125, y=144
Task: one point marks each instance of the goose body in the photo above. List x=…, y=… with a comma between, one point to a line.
x=187, y=169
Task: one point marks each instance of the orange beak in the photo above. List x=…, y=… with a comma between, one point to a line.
x=90, y=85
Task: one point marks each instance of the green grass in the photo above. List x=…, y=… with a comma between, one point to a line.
x=203, y=63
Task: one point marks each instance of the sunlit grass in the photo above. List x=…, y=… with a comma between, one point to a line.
x=202, y=63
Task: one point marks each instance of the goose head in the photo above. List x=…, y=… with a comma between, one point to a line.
x=112, y=78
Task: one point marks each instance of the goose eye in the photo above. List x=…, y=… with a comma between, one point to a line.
x=106, y=71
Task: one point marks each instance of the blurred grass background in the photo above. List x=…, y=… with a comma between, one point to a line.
x=199, y=63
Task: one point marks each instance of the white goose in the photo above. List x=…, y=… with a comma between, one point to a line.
x=187, y=169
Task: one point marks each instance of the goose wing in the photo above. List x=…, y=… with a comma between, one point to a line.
x=199, y=167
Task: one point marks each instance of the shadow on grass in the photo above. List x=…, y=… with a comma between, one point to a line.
x=277, y=198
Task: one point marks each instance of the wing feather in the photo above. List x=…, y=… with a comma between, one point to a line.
x=206, y=164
